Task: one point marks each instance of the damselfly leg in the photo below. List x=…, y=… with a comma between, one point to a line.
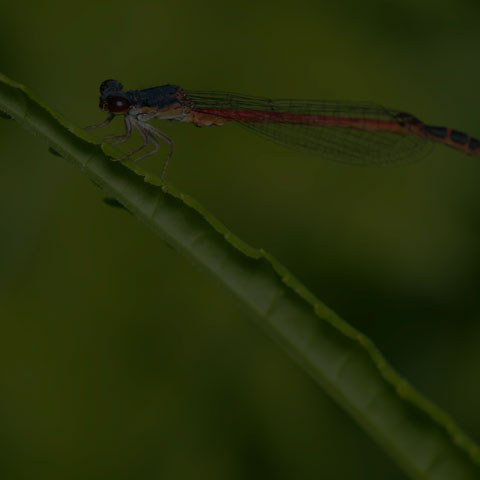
x=124, y=136
x=148, y=134
x=103, y=124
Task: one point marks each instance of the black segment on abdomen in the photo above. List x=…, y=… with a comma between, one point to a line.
x=439, y=132
x=474, y=143
x=459, y=137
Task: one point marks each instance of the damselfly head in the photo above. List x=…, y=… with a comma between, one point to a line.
x=114, y=104
x=112, y=99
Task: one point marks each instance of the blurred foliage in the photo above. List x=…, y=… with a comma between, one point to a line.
x=118, y=359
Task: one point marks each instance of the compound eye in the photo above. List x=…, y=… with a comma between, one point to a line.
x=110, y=85
x=116, y=104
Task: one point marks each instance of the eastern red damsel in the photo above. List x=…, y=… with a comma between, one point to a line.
x=350, y=132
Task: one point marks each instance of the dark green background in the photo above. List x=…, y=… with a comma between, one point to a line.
x=118, y=358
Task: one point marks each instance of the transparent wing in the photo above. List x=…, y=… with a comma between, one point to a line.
x=349, y=143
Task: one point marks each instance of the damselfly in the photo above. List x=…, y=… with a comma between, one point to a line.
x=350, y=132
